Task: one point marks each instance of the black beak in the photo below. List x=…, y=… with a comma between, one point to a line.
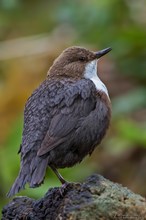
x=102, y=52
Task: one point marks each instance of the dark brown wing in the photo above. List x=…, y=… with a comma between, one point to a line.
x=53, y=106
x=65, y=123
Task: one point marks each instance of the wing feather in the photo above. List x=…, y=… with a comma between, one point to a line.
x=67, y=120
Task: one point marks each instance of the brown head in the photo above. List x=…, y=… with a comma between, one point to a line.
x=77, y=63
x=73, y=62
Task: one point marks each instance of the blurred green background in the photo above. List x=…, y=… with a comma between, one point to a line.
x=32, y=34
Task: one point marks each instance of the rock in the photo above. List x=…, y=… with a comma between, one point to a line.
x=96, y=198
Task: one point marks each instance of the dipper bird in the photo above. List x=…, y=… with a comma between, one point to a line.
x=65, y=118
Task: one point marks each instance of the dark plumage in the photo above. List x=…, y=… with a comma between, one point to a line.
x=65, y=118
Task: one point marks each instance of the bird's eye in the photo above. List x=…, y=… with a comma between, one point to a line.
x=82, y=59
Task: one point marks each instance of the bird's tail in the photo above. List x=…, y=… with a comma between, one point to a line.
x=30, y=173
x=18, y=184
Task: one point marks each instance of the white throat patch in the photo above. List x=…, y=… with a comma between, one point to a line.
x=91, y=73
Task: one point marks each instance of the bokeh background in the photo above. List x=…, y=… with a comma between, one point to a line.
x=32, y=34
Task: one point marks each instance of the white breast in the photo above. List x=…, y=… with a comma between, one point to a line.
x=91, y=73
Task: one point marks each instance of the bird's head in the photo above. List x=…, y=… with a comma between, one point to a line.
x=76, y=62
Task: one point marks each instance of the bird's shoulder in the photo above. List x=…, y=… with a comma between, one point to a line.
x=60, y=92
